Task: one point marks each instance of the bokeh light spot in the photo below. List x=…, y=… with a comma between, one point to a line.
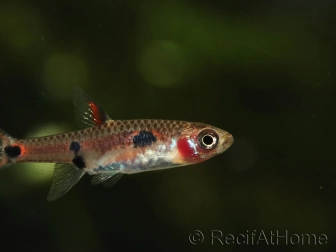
x=32, y=173
x=62, y=71
x=162, y=63
x=20, y=27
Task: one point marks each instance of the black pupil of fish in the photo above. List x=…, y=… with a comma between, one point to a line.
x=208, y=140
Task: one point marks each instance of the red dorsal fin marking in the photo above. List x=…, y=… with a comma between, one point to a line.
x=87, y=111
x=97, y=115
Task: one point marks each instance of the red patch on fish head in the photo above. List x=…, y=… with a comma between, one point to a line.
x=188, y=148
x=198, y=145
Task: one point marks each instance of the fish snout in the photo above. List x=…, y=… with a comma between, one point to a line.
x=228, y=141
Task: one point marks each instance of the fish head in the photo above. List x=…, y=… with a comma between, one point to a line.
x=199, y=142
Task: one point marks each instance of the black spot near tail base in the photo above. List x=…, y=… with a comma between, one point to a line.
x=74, y=146
x=12, y=151
x=144, y=138
x=79, y=162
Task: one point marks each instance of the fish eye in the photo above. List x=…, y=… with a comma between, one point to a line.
x=208, y=139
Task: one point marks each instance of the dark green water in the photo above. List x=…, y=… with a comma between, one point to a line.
x=264, y=71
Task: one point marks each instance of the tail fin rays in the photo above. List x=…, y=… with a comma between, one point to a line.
x=5, y=141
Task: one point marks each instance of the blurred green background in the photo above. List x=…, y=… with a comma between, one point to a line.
x=262, y=70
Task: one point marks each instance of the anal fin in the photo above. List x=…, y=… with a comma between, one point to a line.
x=65, y=177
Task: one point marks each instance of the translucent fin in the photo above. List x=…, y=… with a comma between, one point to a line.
x=88, y=113
x=97, y=179
x=5, y=140
x=112, y=181
x=108, y=179
x=65, y=177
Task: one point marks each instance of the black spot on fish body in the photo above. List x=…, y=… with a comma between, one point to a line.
x=74, y=146
x=79, y=162
x=144, y=138
x=12, y=151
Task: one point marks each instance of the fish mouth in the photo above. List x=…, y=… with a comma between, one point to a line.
x=228, y=141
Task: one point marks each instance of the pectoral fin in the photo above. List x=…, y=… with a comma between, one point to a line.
x=97, y=179
x=112, y=181
x=108, y=179
x=65, y=177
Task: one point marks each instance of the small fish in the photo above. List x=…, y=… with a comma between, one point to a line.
x=108, y=148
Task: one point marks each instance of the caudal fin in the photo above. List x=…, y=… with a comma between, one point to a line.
x=7, y=151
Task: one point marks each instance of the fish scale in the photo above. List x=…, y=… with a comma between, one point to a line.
x=108, y=148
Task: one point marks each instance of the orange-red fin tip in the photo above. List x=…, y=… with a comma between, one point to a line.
x=88, y=113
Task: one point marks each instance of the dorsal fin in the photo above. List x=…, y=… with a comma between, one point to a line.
x=88, y=113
